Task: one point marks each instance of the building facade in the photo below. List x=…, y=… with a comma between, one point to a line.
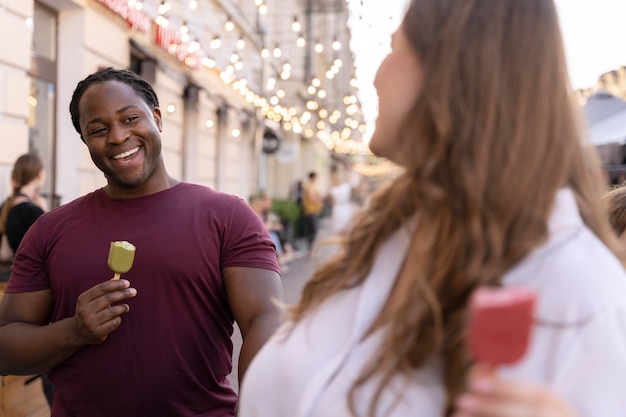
x=612, y=82
x=234, y=79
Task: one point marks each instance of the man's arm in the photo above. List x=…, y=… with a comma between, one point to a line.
x=29, y=344
x=255, y=297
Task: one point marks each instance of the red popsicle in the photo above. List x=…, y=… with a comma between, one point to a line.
x=500, y=324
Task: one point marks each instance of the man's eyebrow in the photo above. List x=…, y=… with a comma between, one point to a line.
x=122, y=110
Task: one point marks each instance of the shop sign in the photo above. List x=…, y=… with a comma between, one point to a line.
x=136, y=19
x=172, y=41
x=271, y=142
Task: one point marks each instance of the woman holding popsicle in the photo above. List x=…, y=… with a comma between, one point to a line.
x=499, y=189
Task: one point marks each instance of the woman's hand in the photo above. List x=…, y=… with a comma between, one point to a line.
x=489, y=396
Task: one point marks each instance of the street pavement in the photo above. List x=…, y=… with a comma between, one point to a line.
x=293, y=278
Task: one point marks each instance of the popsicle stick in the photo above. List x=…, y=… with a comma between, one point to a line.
x=116, y=276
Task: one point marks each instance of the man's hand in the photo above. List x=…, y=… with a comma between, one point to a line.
x=99, y=311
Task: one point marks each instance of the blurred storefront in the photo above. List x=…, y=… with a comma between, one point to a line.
x=228, y=74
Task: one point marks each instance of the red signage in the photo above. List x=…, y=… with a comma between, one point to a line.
x=172, y=41
x=136, y=19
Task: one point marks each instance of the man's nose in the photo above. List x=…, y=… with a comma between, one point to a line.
x=119, y=133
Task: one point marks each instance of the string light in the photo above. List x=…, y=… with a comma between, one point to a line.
x=301, y=42
x=277, y=51
x=336, y=127
x=162, y=21
x=295, y=26
x=319, y=48
x=184, y=29
x=229, y=25
x=193, y=47
x=208, y=62
x=216, y=42
x=164, y=7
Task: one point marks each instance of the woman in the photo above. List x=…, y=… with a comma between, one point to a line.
x=20, y=211
x=25, y=204
x=474, y=102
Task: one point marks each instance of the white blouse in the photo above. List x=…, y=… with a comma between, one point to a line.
x=578, y=345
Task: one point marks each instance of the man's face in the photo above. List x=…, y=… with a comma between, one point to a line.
x=122, y=133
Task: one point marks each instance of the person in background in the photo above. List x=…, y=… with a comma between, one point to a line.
x=498, y=188
x=285, y=252
x=25, y=204
x=20, y=211
x=340, y=200
x=161, y=345
x=312, y=206
x=615, y=201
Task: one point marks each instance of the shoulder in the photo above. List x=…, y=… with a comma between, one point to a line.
x=68, y=213
x=577, y=278
x=221, y=207
x=26, y=208
x=75, y=204
x=205, y=194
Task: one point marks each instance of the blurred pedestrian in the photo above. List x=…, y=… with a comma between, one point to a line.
x=312, y=206
x=499, y=188
x=20, y=211
x=615, y=201
x=340, y=200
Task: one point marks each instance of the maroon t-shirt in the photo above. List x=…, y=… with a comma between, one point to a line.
x=172, y=354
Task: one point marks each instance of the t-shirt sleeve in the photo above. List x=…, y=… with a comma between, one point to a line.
x=246, y=242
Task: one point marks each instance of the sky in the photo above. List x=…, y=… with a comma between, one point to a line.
x=594, y=33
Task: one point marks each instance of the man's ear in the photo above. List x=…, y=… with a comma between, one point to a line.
x=156, y=113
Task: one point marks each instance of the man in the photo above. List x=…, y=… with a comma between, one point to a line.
x=161, y=346
x=312, y=205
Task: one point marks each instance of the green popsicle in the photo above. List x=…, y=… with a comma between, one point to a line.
x=121, y=256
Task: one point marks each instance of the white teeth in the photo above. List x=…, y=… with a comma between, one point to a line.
x=128, y=153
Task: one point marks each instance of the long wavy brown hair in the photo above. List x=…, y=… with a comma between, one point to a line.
x=494, y=134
